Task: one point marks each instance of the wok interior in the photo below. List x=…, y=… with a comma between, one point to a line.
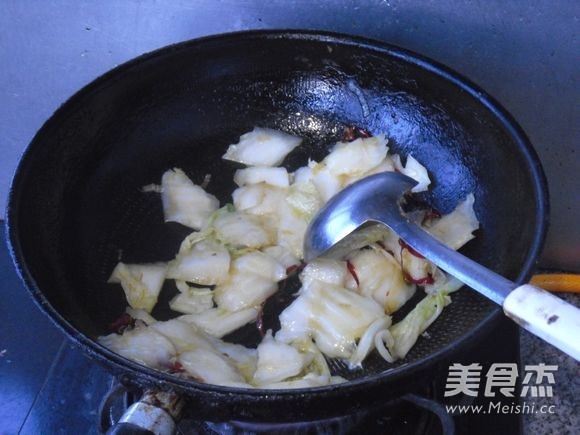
x=81, y=208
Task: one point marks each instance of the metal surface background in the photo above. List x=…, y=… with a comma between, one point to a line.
x=522, y=52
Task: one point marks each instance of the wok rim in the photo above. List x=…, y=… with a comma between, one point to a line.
x=148, y=375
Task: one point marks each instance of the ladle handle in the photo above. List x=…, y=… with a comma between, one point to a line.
x=546, y=316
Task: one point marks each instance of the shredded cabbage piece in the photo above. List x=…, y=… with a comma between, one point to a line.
x=304, y=199
x=184, y=336
x=291, y=229
x=407, y=331
x=333, y=316
x=414, y=170
x=252, y=280
x=185, y=202
x=204, y=262
x=277, y=177
x=219, y=321
x=191, y=300
x=282, y=256
x=456, y=228
x=143, y=345
x=241, y=230
x=141, y=315
x=325, y=270
x=380, y=277
x=357, y=157
x=211, y=367
x=262, y=147
x=278, y=361
x=259, y=199
x=141, y=283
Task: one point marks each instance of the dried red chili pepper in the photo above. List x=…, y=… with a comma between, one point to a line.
x=295, y=268
x=260, y=320
x=352, y=133
x=419, y=281
x=175, y=368
x=404, y=245
x=122, y=323
x=352, y=271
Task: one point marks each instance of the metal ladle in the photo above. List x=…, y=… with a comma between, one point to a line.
x=376, y=199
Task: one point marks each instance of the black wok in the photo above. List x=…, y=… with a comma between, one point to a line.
x=75, y=206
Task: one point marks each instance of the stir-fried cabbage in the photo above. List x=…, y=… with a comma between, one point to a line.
x=185, y=202
x=183, y=336
x=334, y=316
x=415, y=170
x=380, y=277
x=143, y=345
x=304, y=199
x=278, y=361
x=277, y=177
x=141, y=283
x=211, y=367
x=262, y=147
x=227, y=269
x=282, y=256
x=291, y=229
x=219, y=321
x=357, y=157
x=325, y=270
x=407, y=331
x=456, y=228
x=259, y=199
x=252, y=280
x=241, y=230
x=141, y=315
x=327, y=184
x=205, y=262
x=191, y=300
x=244, y=359
x=367, y=342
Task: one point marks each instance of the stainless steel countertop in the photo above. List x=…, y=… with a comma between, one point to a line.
x=524, y=53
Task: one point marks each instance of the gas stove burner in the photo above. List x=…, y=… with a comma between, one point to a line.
x=410, y=415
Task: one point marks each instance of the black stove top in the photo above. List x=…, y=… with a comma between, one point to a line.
x=49, y=386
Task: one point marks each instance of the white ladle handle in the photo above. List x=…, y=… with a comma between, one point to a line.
x=546, y=316
x=543, y=314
